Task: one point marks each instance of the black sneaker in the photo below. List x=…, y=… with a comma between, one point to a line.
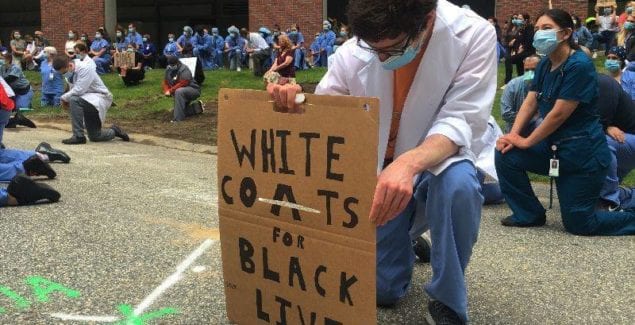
x=20, y=119
x=421, y=248
x=440, y=314
x=509, y=222
x=120, y=133
x=34, y=166
x=53, y=154
x=74, y=140
x=26, y=191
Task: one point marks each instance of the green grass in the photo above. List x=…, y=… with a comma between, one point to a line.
x=146, y=99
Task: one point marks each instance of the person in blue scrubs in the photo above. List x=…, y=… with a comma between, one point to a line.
x=52, y=81
x=203, y=49
x=187, y=37
x=218, y=47
x=297, y=39
x=100, y=53
x=315, y=50
x=268, y=36
x=149, y=52
x=14, y=76
x=169, y=50
x=570, y=139
x=120, y=44
x=235, y=48
x=327, y=38
x=134, y=37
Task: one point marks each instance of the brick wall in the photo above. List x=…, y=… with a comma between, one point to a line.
x=506, y=8
x=60, y=16
x=306, y=13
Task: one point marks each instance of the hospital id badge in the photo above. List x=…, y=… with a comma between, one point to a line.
x=554, y=168
x=51, y=76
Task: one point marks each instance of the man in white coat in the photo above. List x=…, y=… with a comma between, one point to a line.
x=88, y=101
x=433, y=67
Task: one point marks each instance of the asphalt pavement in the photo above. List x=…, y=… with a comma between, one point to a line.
x=135, y=239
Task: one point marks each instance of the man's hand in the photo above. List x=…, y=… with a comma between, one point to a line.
x=284, y=97
x=393, y=191
x=167, y=93
x=507, y=142
x=616, y=134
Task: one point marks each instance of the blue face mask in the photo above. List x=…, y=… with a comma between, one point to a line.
x=546, y=41
x=396, y=62
x=629, y=25
x=612, y=66
x=607, y=11
x=528, y=76
x=518, y=22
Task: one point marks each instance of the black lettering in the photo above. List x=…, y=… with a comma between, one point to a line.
x=354, y=219
x=300, y=242
x=294, y=268
x=248, y=191
x=331, y=155
x=228, y=199
x=328, y=321
x=284, y=304
x=267, y=273
x=268, y=152
x=329, y=195
x=313, y=316
x=345, y=284
x=282, y=134
x=287, y=239
x=276, y=233
x=283, y=191
x=320, y=290
x=242, y=152
x=261, y=314
x=246, y=251
x=308, y=136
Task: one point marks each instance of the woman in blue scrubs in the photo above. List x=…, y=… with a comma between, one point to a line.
x=570, y=140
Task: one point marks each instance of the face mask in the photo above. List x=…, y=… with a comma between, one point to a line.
x=629, y=10
x=528, y=75
x=343, y=34
x=518, y=22
x=546, y=41
x=234, y=35
x=325, y=27
x=396, y=62
x=144, y=39
x=629, y=25
x=97, y=36
x=17, y=36
x=171, y=67
x=71, y=35
x=607, y=11
x=118, y=34
x=612, y=65
x=171, y=39
x=186, y=33
x=131, y=30
x=130, y=50
x=84, y=38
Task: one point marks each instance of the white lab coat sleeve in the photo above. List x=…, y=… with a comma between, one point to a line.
x=82, y=84
x=335, y=81
x=468, y=103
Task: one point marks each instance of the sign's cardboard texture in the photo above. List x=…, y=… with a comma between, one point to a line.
x=283, y=264
x=605, y=3
x=123, y=59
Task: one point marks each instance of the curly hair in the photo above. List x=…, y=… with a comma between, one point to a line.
x=375, y=20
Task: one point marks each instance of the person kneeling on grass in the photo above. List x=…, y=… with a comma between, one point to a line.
x=88, y=101
x=178, y=82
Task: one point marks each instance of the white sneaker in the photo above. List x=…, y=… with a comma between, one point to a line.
x=239, y=69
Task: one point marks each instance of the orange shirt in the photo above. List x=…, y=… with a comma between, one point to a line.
x=403, y=78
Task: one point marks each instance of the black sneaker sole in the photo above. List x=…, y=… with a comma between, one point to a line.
x=27, y=191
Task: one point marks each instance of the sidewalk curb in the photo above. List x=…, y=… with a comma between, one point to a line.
x=144, y=139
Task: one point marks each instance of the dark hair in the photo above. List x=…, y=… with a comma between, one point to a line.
x=187, y=48
x=244, y=32
x=526, y=16
x=563, y=20
x=375, y=20
x=578, y=23
x=81, y=47
x=60, y=62
x=172, y=60
x=494, y=20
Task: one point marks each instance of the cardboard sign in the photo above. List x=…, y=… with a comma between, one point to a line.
x=295, y=195
x=605, y=3
x=190, y=63
x=124, y=59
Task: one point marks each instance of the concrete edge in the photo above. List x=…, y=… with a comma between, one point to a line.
x=143, y=139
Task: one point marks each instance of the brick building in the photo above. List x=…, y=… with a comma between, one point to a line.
x=159, y=17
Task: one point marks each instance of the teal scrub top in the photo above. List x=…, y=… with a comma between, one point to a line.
x=580, y=140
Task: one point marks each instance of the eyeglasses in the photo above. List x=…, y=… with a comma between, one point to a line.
x=392, y=52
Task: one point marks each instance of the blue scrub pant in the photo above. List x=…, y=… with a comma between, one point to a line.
x=10, y=159
x=622, y=162
x=450, y=204
x=217, y=59
x=24, y=101
x=103, y=64
x=298, y=60
x=50, y=100
x=578, y=193
x=235, y=59
x=206, y=60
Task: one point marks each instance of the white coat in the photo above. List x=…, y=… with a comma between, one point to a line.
x=88, y=85
x=452, y=93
